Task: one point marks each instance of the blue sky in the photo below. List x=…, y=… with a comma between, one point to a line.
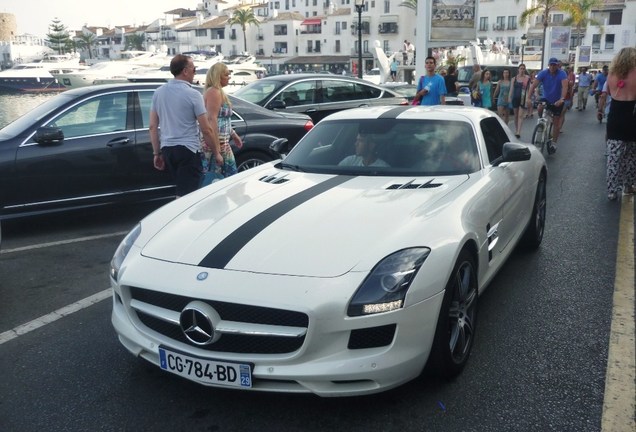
x=35, y=16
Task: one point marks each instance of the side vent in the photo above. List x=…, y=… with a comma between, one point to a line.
x=410, y=185
x=275, y=179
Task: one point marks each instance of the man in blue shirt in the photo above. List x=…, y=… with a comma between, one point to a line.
x=585, y=81
x=431, y=89
x=394, y=68
x=555, y=88
x=599, y=82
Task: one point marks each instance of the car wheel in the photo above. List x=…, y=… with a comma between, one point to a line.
x=455, y=332
x=533, y=235
x=251, y=159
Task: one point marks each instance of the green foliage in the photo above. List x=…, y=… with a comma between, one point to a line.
x=411, y=4
x=58, y=37
x=579, y=11
x=244, y=17
x=452, y=60
x=86, y=41
x=135, y=42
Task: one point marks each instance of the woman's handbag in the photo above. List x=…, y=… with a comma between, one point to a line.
x=211, y=171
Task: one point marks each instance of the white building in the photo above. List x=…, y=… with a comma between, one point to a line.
x=322, y=34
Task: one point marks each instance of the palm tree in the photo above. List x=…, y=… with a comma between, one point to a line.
x=135, y=41
x=411, y=4
x=579, y=11
x=243, y=17
x=86, y=41
x=543, y=7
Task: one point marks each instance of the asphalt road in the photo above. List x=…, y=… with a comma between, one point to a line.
x=539, y=362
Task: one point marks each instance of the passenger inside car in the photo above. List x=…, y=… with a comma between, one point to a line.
x=366, y=153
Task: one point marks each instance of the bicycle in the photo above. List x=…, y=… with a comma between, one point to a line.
x=542, y=133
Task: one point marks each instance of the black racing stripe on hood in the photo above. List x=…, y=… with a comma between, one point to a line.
x=233, y=243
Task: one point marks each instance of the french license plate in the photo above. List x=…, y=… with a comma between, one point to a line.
x=206, y=371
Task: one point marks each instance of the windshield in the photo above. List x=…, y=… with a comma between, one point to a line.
x=259, y=91
x=25, y=121
x=392, y=147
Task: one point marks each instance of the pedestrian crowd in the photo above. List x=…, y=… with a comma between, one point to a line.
x=191, y=133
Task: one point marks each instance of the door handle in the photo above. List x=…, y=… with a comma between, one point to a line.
x=118, y=142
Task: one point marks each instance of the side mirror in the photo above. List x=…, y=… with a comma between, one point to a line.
x=277, y=104
x=280, y=145
x=514, y=152
x=48, y=135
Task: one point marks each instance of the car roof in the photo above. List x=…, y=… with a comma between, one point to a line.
x=300, y=76
x=410, y=112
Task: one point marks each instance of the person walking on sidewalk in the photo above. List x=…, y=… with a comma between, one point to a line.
x=431, y=89
x=621, y=124
x=518, y=96
x=555, y=87
x=585, y=81
x=179, y=111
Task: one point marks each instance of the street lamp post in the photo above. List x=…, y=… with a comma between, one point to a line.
x=524, y=41
x=359, y=7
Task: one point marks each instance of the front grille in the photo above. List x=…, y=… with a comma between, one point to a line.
x=235, y=343
x=372, y=337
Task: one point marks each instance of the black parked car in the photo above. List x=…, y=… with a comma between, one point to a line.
x=91, y=146
x=317, y=95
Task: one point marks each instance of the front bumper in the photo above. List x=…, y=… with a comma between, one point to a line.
x=325, y=362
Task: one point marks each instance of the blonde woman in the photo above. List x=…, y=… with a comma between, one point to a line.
x=219, y=114
x=621, y=124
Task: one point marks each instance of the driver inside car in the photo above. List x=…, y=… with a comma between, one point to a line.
x=366, y=153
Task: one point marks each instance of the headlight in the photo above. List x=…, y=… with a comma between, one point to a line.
x=386, y=286
x=122, y=251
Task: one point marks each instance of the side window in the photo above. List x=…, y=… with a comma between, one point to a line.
x=338, y=91
x=145, y=102
x=367, y=92
x=495, y=137
x=301, y=93
x=99, y=115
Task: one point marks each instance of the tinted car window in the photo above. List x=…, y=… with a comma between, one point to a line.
x=145, y=102
x=102, y=114
x=368, y=92
x=302, y=93
x=338, y=91
x=258, y=91
x=495, y=137
x=402, y=147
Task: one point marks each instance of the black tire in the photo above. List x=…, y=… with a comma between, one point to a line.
x=533, y=234
x=538, y=136
x=251, y=159
x=455, y=332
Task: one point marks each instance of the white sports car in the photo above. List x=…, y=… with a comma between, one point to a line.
x=343, y=269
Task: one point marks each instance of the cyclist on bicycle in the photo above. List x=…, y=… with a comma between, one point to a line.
x=555, y=88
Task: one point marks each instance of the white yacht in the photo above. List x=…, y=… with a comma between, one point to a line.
x=109, y=71
x=38, y=76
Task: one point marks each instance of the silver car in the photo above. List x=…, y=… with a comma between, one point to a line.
x=317, y=95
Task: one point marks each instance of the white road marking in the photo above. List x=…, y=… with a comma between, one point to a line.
x=63, y=242
x=54, y=316
x=619, y=404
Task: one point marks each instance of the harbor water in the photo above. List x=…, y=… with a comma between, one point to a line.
x=14, y=105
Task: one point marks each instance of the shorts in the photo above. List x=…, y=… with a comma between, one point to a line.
x=555, y=110
x=393, y=73
x=185, y=167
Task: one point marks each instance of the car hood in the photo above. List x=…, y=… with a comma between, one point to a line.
x=300, y=224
